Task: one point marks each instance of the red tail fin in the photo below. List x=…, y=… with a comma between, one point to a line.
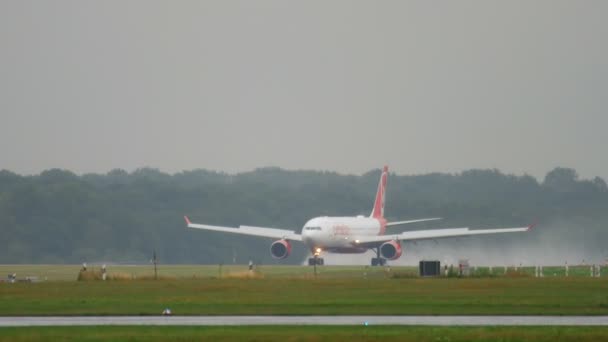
x=378, y=210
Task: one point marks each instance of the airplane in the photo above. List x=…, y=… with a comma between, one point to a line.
x=352, y=234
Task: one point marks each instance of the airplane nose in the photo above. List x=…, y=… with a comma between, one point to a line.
x=310, y=238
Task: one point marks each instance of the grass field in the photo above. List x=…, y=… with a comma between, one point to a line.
x=305, y=333
x=375, y=295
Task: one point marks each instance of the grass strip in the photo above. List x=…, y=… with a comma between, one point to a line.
x=304, y=333
x=280, y=296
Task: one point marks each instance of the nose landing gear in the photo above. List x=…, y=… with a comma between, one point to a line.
x=315, y=260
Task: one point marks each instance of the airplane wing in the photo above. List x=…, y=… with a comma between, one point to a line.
x=433, y=234
x=396, y=223
x=249, y=230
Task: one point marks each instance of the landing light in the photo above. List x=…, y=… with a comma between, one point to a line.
x=317, y=251
x=357, y=241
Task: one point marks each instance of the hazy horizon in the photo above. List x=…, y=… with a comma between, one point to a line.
x=344, y=86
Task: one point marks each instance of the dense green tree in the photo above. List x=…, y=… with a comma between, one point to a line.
x=561, y=179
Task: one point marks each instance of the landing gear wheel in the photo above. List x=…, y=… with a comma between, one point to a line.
x=315, y=261
x=378, y=261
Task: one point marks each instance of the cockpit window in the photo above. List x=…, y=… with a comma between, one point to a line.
x=312, y=228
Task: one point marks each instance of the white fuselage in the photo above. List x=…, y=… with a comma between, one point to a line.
x=338, y=234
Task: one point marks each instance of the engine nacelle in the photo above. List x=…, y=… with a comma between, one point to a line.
x=391, y=250
x=280, y=249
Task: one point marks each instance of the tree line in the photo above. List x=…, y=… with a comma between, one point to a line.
x=60, y=217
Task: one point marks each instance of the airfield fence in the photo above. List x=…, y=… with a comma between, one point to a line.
x=146, y=272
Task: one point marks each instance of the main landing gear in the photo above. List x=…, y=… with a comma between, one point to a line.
x=378, y=261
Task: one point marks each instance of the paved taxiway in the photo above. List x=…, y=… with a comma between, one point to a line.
x=304, y=320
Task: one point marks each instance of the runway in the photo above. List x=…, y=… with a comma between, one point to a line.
x=304, y=320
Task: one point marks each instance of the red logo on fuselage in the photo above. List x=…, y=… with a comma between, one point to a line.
x=341, y=230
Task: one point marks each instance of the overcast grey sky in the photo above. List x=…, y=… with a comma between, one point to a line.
x=89, y=86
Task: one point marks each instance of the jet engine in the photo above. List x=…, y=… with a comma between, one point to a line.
x=280, y=249
x=391, y=250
